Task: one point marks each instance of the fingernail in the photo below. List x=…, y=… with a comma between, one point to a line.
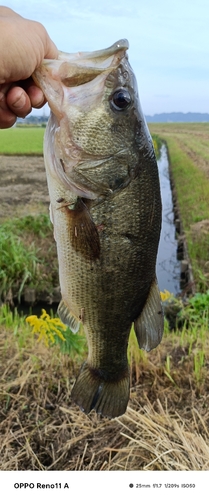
x=20, y=102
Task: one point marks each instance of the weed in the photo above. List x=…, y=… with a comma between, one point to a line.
x=27, y=256
x=18, y=264
x=167, y=369
x=47, y=328
x=136, y=357
x=199, y=362
x=157, y=143
x=39, y=225
x=52, y=331
x=196, y=310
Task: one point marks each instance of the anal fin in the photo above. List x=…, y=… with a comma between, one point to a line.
x=149, y=325
x=67, y=317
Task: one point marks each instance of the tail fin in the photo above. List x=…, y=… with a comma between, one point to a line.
x=92, y=391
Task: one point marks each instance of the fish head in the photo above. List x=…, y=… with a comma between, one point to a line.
x=96, y=113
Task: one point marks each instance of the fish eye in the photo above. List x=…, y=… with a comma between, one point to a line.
x=120, y=100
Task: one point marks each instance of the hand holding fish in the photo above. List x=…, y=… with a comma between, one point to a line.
x=24, y=44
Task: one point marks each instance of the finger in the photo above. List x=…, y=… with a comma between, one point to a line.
x=34, y=93
x=36, y=96
x=7, y=117
x=18, y=101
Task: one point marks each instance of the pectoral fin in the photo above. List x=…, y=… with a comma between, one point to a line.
x=83, y=232
x=149, y=325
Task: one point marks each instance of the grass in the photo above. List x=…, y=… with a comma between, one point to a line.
x=157, y=142
x=27, y=257
x=192, y=184
x=164, y=428
x=38, y=225
x=22, y=141
x=17, y=264
x=188, y=149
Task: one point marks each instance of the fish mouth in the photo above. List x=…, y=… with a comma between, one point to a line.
x=76, y=69
x=75, y=85
x=96, y=56
x=91, y=64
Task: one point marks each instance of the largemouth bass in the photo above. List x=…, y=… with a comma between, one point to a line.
x=106, y=210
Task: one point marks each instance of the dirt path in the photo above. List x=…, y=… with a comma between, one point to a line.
x=23, y=186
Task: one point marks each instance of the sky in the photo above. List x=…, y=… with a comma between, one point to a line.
x=169, y=43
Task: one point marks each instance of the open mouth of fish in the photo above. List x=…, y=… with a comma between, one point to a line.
x=76, y=70
x=76, y=83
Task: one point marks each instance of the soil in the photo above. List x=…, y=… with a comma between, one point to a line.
x=23, y=188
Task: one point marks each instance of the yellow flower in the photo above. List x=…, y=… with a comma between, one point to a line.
x=47, y=327
x=166, y=295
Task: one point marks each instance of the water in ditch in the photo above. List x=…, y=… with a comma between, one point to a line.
x=168, y=267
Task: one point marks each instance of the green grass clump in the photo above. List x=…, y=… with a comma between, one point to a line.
x=11, y=319
x=196, y=310
x=39, y=225
x=27, y=256
x=18, y=264
x=157, y=143
x=22, y=141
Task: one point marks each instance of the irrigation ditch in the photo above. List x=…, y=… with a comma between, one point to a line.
x=187, y=283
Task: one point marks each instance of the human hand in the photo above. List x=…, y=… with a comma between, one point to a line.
x=23, y=46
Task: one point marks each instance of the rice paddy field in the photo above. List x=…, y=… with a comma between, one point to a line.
x=165, y=427
x=22, y=141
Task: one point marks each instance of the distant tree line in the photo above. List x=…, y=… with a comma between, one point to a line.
x=178, y=117
x=33, y=120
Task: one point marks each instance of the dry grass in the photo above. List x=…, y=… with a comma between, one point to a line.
x=165, y=426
